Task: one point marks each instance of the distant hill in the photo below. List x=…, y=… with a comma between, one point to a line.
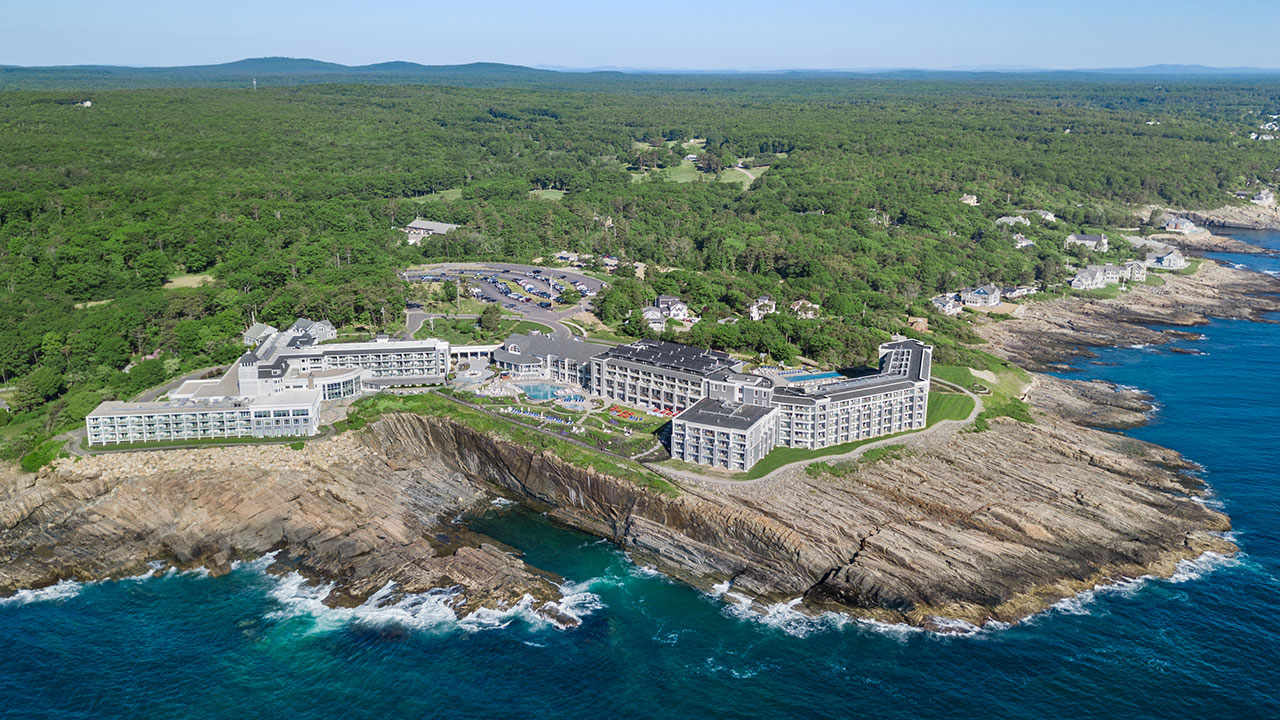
x=267, y=71
x=277, y=71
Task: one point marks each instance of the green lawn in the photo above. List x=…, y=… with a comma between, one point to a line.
x=197, y=442
x=447, y=329
x=948, y=406
x=1106, y=293
x=367, y=409
x=450, y=194
x=785, y=455
x=552, y=195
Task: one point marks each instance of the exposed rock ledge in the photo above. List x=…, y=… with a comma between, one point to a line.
x=993, y=525
x=1257, y=217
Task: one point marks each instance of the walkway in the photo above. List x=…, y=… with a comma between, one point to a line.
x=935, y=434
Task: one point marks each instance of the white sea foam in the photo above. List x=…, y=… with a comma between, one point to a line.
x=1197, y=568
x=61, y=590
x=502, y=502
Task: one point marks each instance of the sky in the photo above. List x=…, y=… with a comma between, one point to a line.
x=708, y=35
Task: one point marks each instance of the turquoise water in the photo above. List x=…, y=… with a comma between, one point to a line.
x=540, y=391
x=246, y=645
x=814, y=376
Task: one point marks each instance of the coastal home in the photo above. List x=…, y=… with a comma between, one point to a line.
x=1111, y=274
x=983, y=296
x=805, y=309
x=1089, y=279
x=1171, y=260
x=256, y=333
x=947, y=304
x=764, y=305
x=1135, y=271
x=1020, y=291
x=1012, y=220
x=319, y=331
x=1046, y=215
x=1021, y=241
x=420, y=228
x=656, y=321
x=1179, y=225
x=672, y=307
x=969, y=200
x=1092, y=242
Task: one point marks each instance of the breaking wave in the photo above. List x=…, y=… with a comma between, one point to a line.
x=61, y=590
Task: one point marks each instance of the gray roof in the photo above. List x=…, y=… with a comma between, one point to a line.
x=728, y=416
x=502, y=355
x=257, y=330
x=671, y=356
x=544, y=345
x=432, y=226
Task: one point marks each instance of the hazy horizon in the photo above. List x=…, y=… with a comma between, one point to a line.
x=714, y=36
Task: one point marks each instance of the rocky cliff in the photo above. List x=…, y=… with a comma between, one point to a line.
x=976, y=526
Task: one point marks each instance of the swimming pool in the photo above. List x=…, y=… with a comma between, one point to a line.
x=814, y=376
x=540, y=391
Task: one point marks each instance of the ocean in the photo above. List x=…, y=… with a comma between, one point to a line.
x=1205, y=643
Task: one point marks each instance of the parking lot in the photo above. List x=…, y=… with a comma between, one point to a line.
x=526, y=291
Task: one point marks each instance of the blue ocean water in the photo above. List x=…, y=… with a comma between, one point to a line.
x=247, y=645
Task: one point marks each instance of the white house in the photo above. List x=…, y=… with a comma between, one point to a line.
x=1135, y=270
x=672, y=307
x=654, y=317
x=969, y=199
x=1019, y=291
x=805, y=309
x=947, y=305
x=1088, y=279
x=1093, y=242
x=984, y=296
x=1179, y=225
x=1021, y=241
x=1172, y=260
x=320, y=330
x=1111, y=274
x=764, y=305
x=1046, y=215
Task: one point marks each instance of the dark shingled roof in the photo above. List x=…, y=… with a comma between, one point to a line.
x=728, y=416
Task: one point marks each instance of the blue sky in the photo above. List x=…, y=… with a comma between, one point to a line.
x=718, y=34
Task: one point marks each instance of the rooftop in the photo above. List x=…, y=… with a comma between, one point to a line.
x=729, y=416
x=671, y=356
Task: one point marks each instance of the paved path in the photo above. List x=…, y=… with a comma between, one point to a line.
x=938, y=432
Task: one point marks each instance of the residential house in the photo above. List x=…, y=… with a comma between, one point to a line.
x=1171, y=260
x=1012, y=220
x=256, y=333
x=1135, y=271
x=984, y=296
x=947, y=305
x=1020, y=291
x=1046, y=215
x=1111, y=274
x=654, y=317
x=1092, y=242
x=1089, y=279
x=319, y=331
x=764, y=305
x=969, y=199
x=672, y=307
x=420, y=228
x=805, y=309
x=1021, y=241
x=1179, y=225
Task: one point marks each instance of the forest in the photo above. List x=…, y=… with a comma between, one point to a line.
x=146, y=231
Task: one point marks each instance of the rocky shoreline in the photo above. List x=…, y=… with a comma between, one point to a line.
x=973, y=526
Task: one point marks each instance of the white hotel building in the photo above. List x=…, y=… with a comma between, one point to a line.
x=275, y=389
